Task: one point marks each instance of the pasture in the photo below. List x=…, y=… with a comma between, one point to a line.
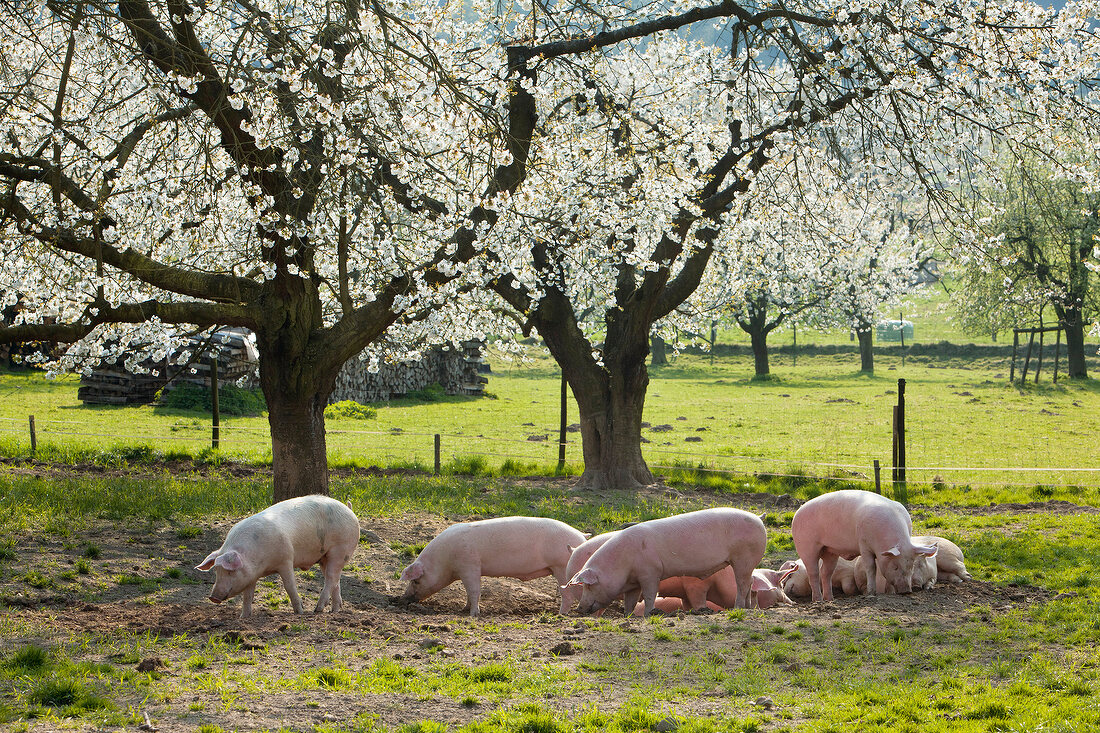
x=105, y=623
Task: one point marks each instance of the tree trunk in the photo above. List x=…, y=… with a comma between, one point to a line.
x=657, y=345
x=611, y=433
x=866, y=354
x=299, y=460
x=760, y=352
x=1075, y=346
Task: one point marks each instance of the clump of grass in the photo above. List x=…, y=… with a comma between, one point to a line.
x=28, y=660
x=92, y=551
x=188, y=532
x=333, y=679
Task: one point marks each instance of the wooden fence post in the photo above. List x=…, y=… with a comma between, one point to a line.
x=562, y=426
x=878, y=477
x=34, y=437
x=215, y=435
x=437, y=461
x=900, y=489
x=1015, y=346
x=1057, y=351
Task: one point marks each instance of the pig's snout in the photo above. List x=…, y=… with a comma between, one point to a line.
x=216, y=599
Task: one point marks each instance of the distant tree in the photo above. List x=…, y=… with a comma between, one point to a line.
x=1038, y=251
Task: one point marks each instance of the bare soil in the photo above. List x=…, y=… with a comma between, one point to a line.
x=123, y=581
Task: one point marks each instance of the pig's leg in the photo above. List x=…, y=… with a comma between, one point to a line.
x=649, y=594
x=246, y=601
x=696, y=592
x=472, y=583
x=330, y=569
x=290, y=583
x=812, y=572
x=872, y=580
x=630, y=600
x=742, y=573
x=828, y=566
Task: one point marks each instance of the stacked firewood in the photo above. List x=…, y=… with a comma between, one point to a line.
x=113, y=384
x=456, y=370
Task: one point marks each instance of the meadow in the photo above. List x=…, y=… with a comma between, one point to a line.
x=105, y=624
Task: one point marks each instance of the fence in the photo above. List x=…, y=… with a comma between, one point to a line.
x=430, y=450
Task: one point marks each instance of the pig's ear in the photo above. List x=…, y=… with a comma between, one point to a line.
x=893, y=551
x=587, y=576
x=786, y=572
x=230, y=561
x=759, y=584
x=413, y=572
x=209, y=561
x=926, y=550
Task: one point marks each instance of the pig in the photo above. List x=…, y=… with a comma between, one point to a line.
x=296, y=533
x=720, y=589
x=633, y=562
x=668, y=604
x=949, y=559
x=924, y=575
x=767, y=588
x=796, y=580
x=512, y=547
x=851, y=523
x=570, y=594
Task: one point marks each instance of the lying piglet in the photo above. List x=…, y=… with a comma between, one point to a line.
x=924, y=575
x=633, y=562
x=797, y=581
x=570, y=594
x=950, y=567
x=512, y=547
x=851, y=523
x=668, y=604
x=767, y=588
x=296, y=533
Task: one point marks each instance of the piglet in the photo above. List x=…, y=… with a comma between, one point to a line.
x=633, y=562
x=925, y=573
x=950, y=567
x=851, y=523
x=767, y=588
x=796, y=581
x=512, y=547
x=296, y=533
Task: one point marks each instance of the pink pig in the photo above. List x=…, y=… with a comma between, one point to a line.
x=925, y=574
x=767, y=588
x=850, y=523
x=669, y=604
x=797, y=581
x=513, y=547
x=633, y=562
x=720, y=589
x=570, y=594
x=950, y=567
x=296, y=533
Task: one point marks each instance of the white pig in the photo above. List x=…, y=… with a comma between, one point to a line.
x=633, y=562
x=767, y=588
x=570, y=594
x=851, y=523
x=512, y=547
x=950, y=567
x=924, y=575
x=796, y=581
x=296, y=533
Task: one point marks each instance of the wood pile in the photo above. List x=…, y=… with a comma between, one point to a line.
x=456, y=370
x=113, y=384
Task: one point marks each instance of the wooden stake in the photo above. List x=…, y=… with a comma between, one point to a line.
x=215, y=436
x=34, y=437
x=437, y=463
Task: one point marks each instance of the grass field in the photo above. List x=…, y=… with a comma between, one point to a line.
x=966, y=425
x=105, y=623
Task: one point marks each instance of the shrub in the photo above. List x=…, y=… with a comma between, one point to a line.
x=350, y=409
